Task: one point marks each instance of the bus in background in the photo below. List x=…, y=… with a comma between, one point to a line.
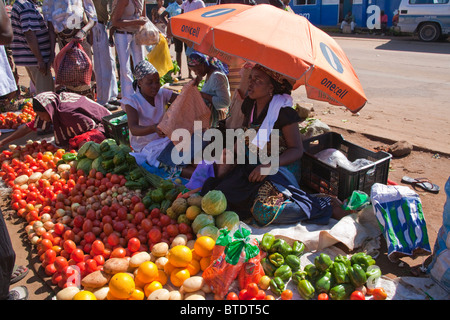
x=430, y=19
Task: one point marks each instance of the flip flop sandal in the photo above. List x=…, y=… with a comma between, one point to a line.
x=423, y=183
x=19, y=272
x=18, y=293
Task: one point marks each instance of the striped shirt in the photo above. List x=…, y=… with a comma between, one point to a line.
x=25, y=17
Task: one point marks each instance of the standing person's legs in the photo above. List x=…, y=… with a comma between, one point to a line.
x=123, y=42
x=41, y=82
x=137, y=52
x=7, y=259
x=104, y=65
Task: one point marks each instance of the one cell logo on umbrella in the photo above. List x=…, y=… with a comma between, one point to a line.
x=331, y=57
x=217, y=12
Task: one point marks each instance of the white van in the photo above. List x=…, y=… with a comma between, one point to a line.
x=430, y=19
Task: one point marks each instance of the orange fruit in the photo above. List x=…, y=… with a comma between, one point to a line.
x=147, y=272
x=168, y=268
x=162, y=277
x=178, y=276
x=122, y=285
x=180, y=256
x=152, y=286
x=192, y=212
x=204, y=246
x=193, y=267
x=204, y=263
x=138, y=294
x=84, y=295
x=195, y=256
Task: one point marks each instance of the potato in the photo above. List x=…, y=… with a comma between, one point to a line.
x=96, y=279
x=67, y=293
x=206, y=288
x=116, y=265
x=175, y=295
x=161, y=262
x=179, y=240
x=101, y=293
x=63, y=167
x=20, y=180
x=160, y=294
x=137, y=259
x=160, y=249
x=198, y=295
x=194, y=283
x=34, y=177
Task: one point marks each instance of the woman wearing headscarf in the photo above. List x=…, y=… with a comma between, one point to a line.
x=216, y=89
x=251, y=190
x=145, y=109
x=70, y=114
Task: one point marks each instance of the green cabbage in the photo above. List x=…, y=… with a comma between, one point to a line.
x=89, y=150
x=85, y=164
x=214, y=202
x=227, y=219
x=210, y=231
x=202, y=220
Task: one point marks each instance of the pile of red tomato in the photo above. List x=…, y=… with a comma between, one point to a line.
x=72, y=219
x=11, y=120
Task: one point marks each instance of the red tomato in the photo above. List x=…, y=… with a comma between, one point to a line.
x=154, y=235
x=357, y=295
x=50, y=269
x=113, y=239
x=69, y=246
x=322, y=296
x=50, y=256
x=261, y=295
x=243, y=295
x=154, y=213
x=286, y=295
x=91, y=265
x=118, y=253
x=252, y=289
x=146, y=224
x=165, y=220
x=60, y=263
x=379, y=294
x=172, y=230
x=139, y=207
x=100, y=259
x=134, y=244
x=232, y=296
x=77, y=255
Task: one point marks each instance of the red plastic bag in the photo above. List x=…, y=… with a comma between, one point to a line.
x=93, y=135
x=72, y=65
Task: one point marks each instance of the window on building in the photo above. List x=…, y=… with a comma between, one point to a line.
x=428, y=1
x=304, y=2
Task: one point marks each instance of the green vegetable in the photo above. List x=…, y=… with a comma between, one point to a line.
x=166, y=185
x=343, y=259
x=92, y=151
x=84, y=164
x=312, y=271
x=267, y=241
x=171, y=195
x=135, y=174
x=165, y=204
x=341, y=291
x=119, y=159
x=108, y=155
x=339, y=272
x=214, y=202
x=297, y=248
x=299, y=275
x=276, y=259
x=130, y=160
x=323, y=284
x=363, y=259
x=108, y=165
x=227, y=219
x=305, y=289
x=151, y=178
x=106, y=144
x=210, y=231
x=133, y=185
x=200, y=221
x=120, y=169
x=293, y=261
x=147, y=201
x=284, y=272
x=124, y=148
x=373, y=272
x=277, y=285
x=323, y=262
x=357, y=275
x=281, y=246
x=157, y=195
x=67, y=157
x=268, y=267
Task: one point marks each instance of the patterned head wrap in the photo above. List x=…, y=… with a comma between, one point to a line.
x=282, y=84
x=197, y=58
x=141, y=70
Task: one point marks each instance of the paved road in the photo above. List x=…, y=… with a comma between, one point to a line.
x=407, y=84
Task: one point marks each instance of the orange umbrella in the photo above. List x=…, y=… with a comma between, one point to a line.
x=279, y=40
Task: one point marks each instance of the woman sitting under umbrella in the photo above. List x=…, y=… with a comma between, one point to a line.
x=70, y=114
x=249, y=189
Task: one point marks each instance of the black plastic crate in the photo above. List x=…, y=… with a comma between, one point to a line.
x=117, y=130
x=339, y=181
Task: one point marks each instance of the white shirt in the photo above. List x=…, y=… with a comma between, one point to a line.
x=7, y=81
x=190, y=6
x=148, y=115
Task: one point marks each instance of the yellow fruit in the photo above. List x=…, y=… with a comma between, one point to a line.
x=193, y=267
x=109, y=296
x=121, y=285
x=178, y=276
x=168, y=268
x=152, y=286
x=162, y=277
x=204, y=246
x=192, y=212
x=204, y=262
x=264, y=282
x=138, y=294
x=180, y=256
x=147, y=272
x=195, y=256
x=84, y=295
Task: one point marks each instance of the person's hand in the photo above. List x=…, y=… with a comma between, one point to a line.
x=42, y=67
x=80, y=35
x=197, y=80
x=256, y=175
x=141, y=21
x=158, y=131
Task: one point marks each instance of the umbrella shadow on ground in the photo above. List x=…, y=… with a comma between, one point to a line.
x=413, y=45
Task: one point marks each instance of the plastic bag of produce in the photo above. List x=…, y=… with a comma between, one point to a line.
x=228, y=259
x=398, y=210
x=251, y=271
x=147, y=35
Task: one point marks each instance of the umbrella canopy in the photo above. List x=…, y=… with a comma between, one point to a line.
x=279, y=40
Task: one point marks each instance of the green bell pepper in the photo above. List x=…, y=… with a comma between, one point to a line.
x=343, y=259
x=305, y=289
x=276, y=259
x=323, y=284
x=108, y=164
x=363, y=259
x=268, y=267
x=120, y=169
x=357, y=275
x=293, y=261
x=281, y=246
x=299, y=275
x=312, y=271
x=341, y=291
x=374, y=272
x=323, y=262
x=284, y=272
x=277, y=285
x=147, y=201
x=69, y=156
x=297, y=248
x=339, y=272
x=267, y=241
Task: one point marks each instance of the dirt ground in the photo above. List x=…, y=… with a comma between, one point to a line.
x=428, y=163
